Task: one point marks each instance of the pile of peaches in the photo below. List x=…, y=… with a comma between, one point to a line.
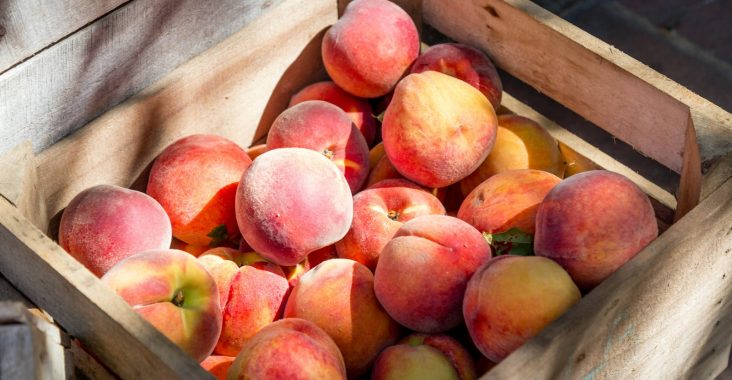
x=428, y=242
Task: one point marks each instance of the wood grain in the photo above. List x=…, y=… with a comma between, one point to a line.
x=622, y=98
x=67, y=85
x=660, y=314
x=19, y=183
x=31, y=25
x=235, y=90
x=77, y=299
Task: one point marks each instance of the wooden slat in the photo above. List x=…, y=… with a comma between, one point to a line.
x=31, y=25
x=235, y=89
x=65, y=86
x=656, y=317
x=589, y=76
x=19, y=183
x=77, y=299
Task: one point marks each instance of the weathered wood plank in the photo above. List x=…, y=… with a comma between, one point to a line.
x=235, y=90
x=657, y=317
x=518, y=43
x=19, y=183
x=64, y=87
x=28, y=26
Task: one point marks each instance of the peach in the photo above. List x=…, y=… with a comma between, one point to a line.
x=365, y=57
x=439, y=253
x=507, y=200
x=375, y=154
x=521, y=143
x=437, y=129
x=338, y=296
x=294, y=273
x=421, y=356
x=510, y=299
x=318, y=256
x=218, y=365
x=377, y=215
x=252, y=293
x=465, y=63
x=289, y=349
x=193, y=249
x=104, y=224
x=174, y=292
x=359, y=110
x=195, y=180
x=291, y=202
x=384, y=172
x=592, y=223
x=326, y=129
x=255, y=150
x=574, y=162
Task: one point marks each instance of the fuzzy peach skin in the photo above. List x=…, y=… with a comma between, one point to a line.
x=338, y=296
x=252, y=290
x=574, y=162
x=174, y=292
x=512, y=298
x=218, y=365
x=377, y=215
x=370, y=47
x=413, y=362
x=104, y=224
x=292, y=201
x=465, y=63
x=318, y=256
x=592, y=223
x=507, y=200
x=195, y=180
x=384, y=171
x=423, y=271
x=359, y=110
x=437, y=129
x=326, y=129
x=289, y=349
x=455, y=353
x=375, y=154
x=521, y=143
x=255, y=150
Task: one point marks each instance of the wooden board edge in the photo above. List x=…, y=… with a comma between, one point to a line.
x=19, y=183
x=691, y=178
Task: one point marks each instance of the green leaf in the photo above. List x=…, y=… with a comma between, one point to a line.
x=511, y=242
x=218, y=236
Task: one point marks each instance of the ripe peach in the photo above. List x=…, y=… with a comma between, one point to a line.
x=439, y=253
x=338, y=296
x=253, y=292
x=255, y=150
x=289, y=349
x=574, y=162
x=218, y=365
x=291, y=202
x=437, y=129
x=512, y=298
x=465, y=63
x=318, y=256
x=384, y=171
x=507, y=200
x=377, y=215
x=365, y=57
x=195, y=180
x=326, y=129
x=592, y=223
x=375, y=154
x=359, y=110
x=521, y=143
x=171, y=290
x=414, y=358
x=104, y=224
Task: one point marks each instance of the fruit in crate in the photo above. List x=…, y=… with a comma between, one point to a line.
x=370, y=47
x=291, y=202
x=174, y=292
x=289, y=349
x=326, y=129
x=377, y=215
x=423, y=271
x=512, y=298
x=252, y=294
x=592, y=223
x=218, y=365
x=465, y=63
x=195, y=180
x=521, y=143
x=425, y=356
x=437, y=129
x=105, y=224
x=338, y=296
x=359, y=110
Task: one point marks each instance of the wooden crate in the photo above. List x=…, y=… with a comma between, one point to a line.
x=665, y=314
